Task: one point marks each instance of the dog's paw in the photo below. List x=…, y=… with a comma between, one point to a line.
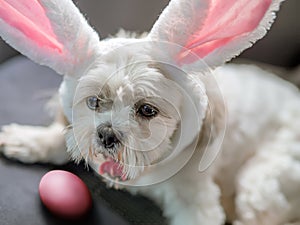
x=22, y=143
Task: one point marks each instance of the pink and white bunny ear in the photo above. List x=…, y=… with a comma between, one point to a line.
x=213, y=30
x=50, y=32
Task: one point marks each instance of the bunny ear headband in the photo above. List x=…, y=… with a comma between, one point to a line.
x=54, y=32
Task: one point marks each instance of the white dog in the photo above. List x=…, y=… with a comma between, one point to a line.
x=148, y=114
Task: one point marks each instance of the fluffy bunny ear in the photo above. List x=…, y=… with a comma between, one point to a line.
x=213, y=30
x=50, y=32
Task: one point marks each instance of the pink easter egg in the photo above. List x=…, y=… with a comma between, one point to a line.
x=65, y=194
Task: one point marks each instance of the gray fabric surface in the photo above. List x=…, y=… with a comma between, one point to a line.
x=24, y=89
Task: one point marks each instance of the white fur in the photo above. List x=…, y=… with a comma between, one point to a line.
x=257, y=171
x=256, y=176
x=30, y=144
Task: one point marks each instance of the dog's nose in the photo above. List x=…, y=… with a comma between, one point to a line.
x=107, y=136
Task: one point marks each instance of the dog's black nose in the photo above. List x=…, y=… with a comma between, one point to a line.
x=107, y=136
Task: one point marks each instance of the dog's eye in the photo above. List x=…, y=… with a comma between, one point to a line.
x=147, y=110
x=92, y=102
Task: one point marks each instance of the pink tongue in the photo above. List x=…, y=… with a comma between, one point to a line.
x=113, y=169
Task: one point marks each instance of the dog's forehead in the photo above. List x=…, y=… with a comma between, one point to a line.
x=110, y=44
x=126, y=71
x=131, y=80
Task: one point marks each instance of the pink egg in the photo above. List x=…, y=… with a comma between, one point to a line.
x=65, y=194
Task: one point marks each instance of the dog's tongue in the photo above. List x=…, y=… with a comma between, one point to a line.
x=113, y=169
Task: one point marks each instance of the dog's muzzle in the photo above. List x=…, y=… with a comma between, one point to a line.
x=107, y=136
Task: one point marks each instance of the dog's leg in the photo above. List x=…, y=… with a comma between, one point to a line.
x=189, y=201
x=268, y=189
x=31, y=144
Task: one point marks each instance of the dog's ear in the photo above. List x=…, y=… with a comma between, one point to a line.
x=213, y=30
x=50, y=32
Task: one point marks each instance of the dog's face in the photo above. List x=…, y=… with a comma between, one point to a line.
x=125, y=113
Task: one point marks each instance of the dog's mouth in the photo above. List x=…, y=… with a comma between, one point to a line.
x=109, y=163
x=112, y=169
